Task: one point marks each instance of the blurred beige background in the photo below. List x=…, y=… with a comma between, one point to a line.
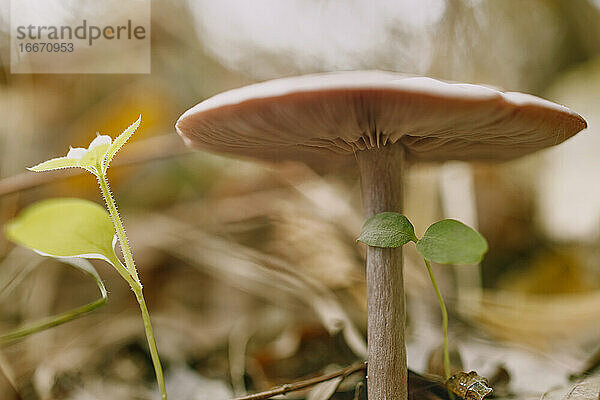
x=252, y=273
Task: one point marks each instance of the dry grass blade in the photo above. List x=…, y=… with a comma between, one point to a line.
x=588, y=389
x=325, y=390
x=254, y=271
x=592, y=364
x=14, y=269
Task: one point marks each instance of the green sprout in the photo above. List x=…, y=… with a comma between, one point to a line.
x=76, y=229
x=445, y=242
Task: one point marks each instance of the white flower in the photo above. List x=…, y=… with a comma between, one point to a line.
x=78, y=152
x=96, y=158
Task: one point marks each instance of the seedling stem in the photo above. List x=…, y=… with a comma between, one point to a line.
x=444, y=320
x=134, y=281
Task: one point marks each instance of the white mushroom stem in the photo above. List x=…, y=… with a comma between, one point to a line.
x=382, y=185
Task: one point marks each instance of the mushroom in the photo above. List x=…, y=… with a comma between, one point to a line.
x=383, y=120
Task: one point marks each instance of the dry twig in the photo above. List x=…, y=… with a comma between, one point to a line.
x=291, y=387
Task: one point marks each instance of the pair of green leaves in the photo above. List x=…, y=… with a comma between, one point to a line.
x=445, y=242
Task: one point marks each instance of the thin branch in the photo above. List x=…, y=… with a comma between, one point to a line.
x=291, y=387
x=155, y=148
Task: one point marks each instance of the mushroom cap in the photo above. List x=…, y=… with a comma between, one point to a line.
x=325, y=118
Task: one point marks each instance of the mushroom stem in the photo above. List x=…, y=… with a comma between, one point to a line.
x=381, y=176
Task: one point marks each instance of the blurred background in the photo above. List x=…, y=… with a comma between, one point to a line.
x=251, y=271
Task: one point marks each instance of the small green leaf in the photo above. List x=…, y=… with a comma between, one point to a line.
x=65, y=228
x=452, y=242
x=55, y=163
x=119, y=142
x=387, y=229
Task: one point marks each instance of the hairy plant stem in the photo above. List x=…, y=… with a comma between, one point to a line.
x=116, y=218
x=444, y=320
x=133, y=281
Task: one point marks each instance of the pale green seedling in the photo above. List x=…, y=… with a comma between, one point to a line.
x=445, y=242
x=75, y=229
